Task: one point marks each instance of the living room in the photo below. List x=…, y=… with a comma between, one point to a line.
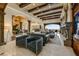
x=37, y=29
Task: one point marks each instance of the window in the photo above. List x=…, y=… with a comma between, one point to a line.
x=53, y=26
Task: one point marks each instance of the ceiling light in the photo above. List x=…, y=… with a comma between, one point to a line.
x=49, y=5
x=33, y=4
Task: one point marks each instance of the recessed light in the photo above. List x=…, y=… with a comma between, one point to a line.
x=49, y=5
x=33, y=4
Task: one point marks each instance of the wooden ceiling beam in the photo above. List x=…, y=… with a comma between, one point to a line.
x=52, y=23
x=50, y=16
x=49, y=13
x=37, y=7
x=59, y=7
x=23, y=5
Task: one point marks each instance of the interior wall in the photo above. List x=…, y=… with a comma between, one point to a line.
x=14, y=9
x=7, y=27
x=8, y=22
x=34, y=25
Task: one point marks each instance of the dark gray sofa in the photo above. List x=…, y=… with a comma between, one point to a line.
x=35, y=44
x=43, y=35
x=21, y=41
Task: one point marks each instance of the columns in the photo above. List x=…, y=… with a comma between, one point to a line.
x=29, y=25
x=1, y=27
x=69, y=13
x=70, y=19
x=42, y=27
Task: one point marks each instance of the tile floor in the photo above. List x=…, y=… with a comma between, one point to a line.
x=50, y=49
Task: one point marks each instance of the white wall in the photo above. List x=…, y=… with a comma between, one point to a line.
x=8, y=22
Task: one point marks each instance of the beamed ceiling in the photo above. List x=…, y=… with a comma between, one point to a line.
x=2, y=6
x=44, y=11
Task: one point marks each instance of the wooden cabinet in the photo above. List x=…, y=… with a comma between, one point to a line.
x=76, y=46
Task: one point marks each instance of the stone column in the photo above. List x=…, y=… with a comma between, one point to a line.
x=1, y=27
x=69, y=19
